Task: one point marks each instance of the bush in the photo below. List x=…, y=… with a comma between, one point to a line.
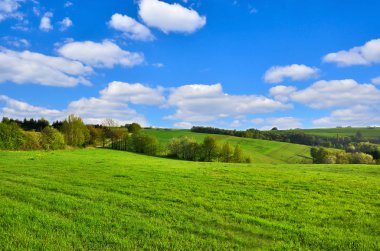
x=226, y=153
x=145, y=144
x=362, y=158
x=11, y=136
x=32, y=141
x=184, y=148
x=52, y=139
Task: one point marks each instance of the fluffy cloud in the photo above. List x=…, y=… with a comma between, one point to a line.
x=130, y=27
x=367, y=54
x=358, y=115
x=170, y=17
x=95, y=110
x=183, y=125
x=29, y=67
x=134, y=93
x=325, y=94
x=281, y=92
x=376, y=81
x=296, y=72
x=282, y=123
x=20, y=110
x=45, y=24
x=201, y=103
x=66, y=23
x=105, y=54
x=8, y=9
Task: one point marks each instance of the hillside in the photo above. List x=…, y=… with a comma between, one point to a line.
x=369, y=133
x=98, y=199
x=261, y=151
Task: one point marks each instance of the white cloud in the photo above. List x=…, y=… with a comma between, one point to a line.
x=134, y=93
x=95, y=110
x=20, y=110
x=170, y=17
x=282, y=123
x=281, y=92
x=343, y=93
x=158, y=65
x=367, y=54
x=29, y=67
x=8, y=9
x=358, y=115
x=130, y=27
x=45, y=24
x=200, y=103
x=66, y=23
x=183, y=125
x=104, y=54
x=15, y=41
x=295, y=72
x=376, y=81
x=68, y=4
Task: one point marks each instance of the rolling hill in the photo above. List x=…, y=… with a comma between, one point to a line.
x=261, y=151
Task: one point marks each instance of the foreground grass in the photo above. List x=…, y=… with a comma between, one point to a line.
x=261, y=151
x=102, y=199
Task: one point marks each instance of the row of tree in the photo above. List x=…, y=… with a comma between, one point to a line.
x=184, y=148
x=322, y=155
x=296, y=137
x=20, y=135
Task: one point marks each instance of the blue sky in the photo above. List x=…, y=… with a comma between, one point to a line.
x=232, y=64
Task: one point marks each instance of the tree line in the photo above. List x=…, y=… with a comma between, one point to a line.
x=321, y=155
x=72, y=132
x=339, y=142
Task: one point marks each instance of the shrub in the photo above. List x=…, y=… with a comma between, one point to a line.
x=210, y=149
x=32, y=141
x=226, y=153
x=184, y=148
x=11, y=136
x=145, y=144
x=52, y=139
x=362, y=158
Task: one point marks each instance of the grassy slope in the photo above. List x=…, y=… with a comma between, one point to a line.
x=262, y=151
x=102, y=199
x=333, y=132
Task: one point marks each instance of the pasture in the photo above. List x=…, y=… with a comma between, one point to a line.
x=96, y=199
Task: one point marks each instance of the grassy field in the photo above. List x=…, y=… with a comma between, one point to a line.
x=97, y=199
x=261, y=151
x=368, y=133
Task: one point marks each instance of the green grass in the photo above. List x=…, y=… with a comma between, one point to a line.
x=261, y=151
x=368, y=133
x=97, y=199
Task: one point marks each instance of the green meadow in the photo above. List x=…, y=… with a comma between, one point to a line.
x=97, y=199
x=369, y=133
x=261, y=151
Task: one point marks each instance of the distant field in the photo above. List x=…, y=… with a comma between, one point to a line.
x=373, y=133
x=261, y=151
x=98, y=199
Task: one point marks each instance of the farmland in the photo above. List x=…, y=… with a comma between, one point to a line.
x=104, y=199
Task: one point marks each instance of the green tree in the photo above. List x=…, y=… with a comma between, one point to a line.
x=52, y=139
x=32, y=140
x=238, y=156
x=75, y=131
x=210, y=148
x=11, y=135
x=134, y=127
x=226, y=153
